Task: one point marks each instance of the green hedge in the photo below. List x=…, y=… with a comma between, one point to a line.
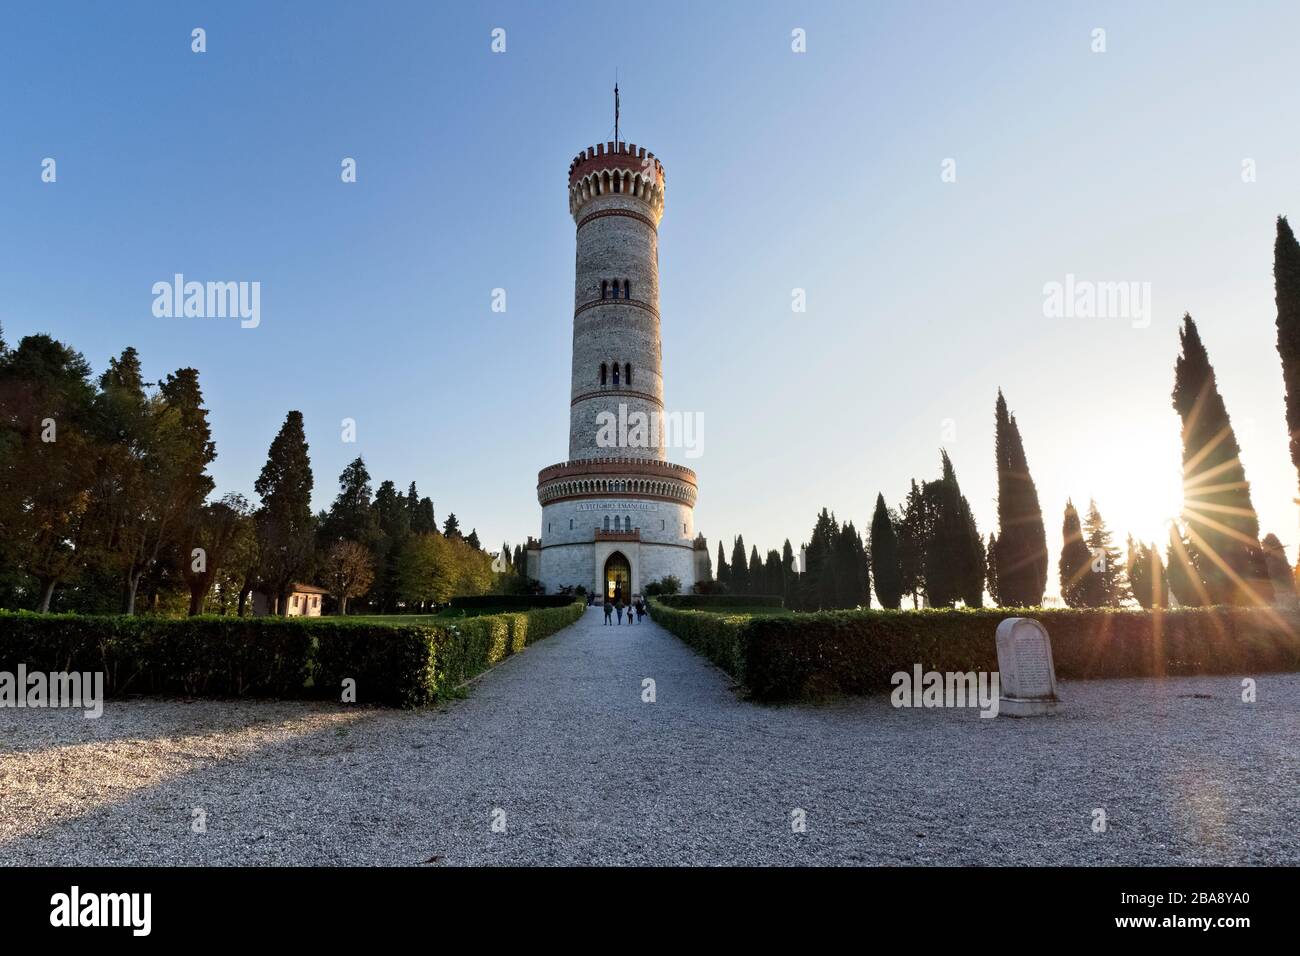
x=704, y=602
x=511, y=602
x=856, y=652
x=403, y=665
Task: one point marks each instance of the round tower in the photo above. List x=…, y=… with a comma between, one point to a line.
x=617, y=514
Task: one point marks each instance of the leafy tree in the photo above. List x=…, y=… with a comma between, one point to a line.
x=668, y=584
x=1105, y=584
x=1146, y=575
x=349, y=569
x=46, y=469
x=1221, y=524
x=216, y=529
x=1286, y=278
x=1022, y=542
x=1075, y=561
x=886, y=557
x=286, y=526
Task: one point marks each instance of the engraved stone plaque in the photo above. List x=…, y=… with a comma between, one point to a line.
x=1026, y=672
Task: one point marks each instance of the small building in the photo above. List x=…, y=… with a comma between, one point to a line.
x=305, y=600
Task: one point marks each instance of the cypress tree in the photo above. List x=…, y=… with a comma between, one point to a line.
x=1022, y=542
x=286, y=526
x=819, y=587
x=724, y=571
x=1286, y=278
x=739, y=569
x=886, y=558
x=1075, y=560
x=1221, y=522
x=755, y=575
x=789, y=576
x=1184, y=577
x=913, y=532
x=1146, y=575
x=1279, y=572
x=772, y=576
x=954, y=550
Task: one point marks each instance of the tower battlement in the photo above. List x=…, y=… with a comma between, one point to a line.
x=623, y=169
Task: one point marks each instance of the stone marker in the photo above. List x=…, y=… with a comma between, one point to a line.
x=1026, y=672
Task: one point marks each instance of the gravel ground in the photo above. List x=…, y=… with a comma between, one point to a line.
x=558, y=738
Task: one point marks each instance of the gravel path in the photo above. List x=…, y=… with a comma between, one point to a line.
x=558, y=738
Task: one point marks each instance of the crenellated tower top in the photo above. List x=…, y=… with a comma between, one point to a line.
x=615, y=168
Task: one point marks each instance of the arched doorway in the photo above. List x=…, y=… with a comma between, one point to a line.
x=618, y=578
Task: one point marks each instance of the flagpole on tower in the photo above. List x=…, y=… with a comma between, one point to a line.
x=616, y=109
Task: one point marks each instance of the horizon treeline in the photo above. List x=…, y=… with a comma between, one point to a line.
x=106, y=505
x=928, y=550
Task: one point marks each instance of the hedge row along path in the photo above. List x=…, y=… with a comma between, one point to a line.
x=559, y=739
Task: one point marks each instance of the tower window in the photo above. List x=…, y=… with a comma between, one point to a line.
x=615, y=373
x=602, y=373
x=627, y=373
x=606, y=522
x=570, y=524
x=627, y=289
x=627, y=522
x=604, y=289
x=616, y=288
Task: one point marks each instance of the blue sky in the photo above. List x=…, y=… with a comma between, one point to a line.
x=819, y=171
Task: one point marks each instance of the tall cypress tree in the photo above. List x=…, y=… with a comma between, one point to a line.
x=886, y=558
x=739, y=567
x=1221, y=522
x=1286, y=278
x=724, y=570
x=819, y=587
x=1181, y=570
x=1075, y=559
x=913, y=531
x=772, y=576
x=1022, y=542
x=286, y=526
x=789, y=576
x=954, y=550
x=755, y=575
x=1279, y=572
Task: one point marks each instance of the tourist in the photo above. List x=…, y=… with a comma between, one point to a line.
x=619, y=607
x=640, y=609
x=609, y=612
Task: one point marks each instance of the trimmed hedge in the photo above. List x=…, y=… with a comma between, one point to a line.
x=703, y=602
x=511, y=602
x=403, y=665
x=856, y=652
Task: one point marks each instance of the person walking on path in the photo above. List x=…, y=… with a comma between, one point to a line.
x=619, y=608
x=640, y=609
x=609, y=612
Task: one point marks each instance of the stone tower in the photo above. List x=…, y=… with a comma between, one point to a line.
x=616, y=517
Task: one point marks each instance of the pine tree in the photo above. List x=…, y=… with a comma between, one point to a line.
x=739, y=567
x=286, y=526
x=350, y=517
x=472, y=540
x=1105, y=585
x=886, y=558
x=1146, y=575
x=1221, y=522
x=1286, y=278
x=1075, y=561
x=451, y=527
x=1022, y=542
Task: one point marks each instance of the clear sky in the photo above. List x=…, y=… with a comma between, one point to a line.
x=820, y=171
